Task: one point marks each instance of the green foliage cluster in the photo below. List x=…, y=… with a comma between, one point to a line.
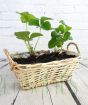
x=59, y=35
x=27, y=37
x=30, y=19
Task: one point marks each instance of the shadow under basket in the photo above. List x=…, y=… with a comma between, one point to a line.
x=41, y=74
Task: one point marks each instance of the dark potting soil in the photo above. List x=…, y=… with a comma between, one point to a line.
x=42, y=57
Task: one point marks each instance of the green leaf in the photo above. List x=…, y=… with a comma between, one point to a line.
x=67, y=36
x=57, y=29
x=43, y=19
x=54, y=34
x=46, y=25
x=61, y=28
x=52, y=43
x=34, y=22
x=68, y=28
x=26, y=17
x=60, y=43
x=62, y=22
x=34, y=35
x=60, y=40
x=56, y=40
x=23, y=35
x=30, y=16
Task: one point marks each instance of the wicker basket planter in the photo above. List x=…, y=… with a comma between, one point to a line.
x=41, y=74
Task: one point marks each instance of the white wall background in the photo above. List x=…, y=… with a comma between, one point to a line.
x=74, y=12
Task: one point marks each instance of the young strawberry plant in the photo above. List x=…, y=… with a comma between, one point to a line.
x=59, y=36
x=26, y=36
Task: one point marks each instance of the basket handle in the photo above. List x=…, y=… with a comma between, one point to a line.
x=11, y=62
x=72, y=43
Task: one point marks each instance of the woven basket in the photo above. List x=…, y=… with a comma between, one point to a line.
x=41, y=74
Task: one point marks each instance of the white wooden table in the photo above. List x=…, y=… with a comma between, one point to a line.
x=74, y=92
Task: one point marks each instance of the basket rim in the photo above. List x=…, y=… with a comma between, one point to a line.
x=23, y=67
x=62, y=60
x=16, y=66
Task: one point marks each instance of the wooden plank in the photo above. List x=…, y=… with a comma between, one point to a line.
x=72, y=93
x=8, y=86
x=79, y=84
x=84, y=62
x=46, y=96
x=33, y=97
x=47, y=100
x=61, y=95
x=3, y=63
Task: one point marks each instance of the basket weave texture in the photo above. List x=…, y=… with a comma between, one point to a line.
x=41, y=74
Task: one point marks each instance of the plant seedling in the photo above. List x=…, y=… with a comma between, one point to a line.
x=60, y=35
x=29, y=19
x=27, y=37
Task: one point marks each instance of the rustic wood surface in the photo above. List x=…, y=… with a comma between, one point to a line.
x=74, y=92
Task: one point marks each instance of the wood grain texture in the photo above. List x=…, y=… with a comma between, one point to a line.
x=52, y=98
x=61, y=95
x=49, y=95
x=8, y=85
x=79, y=84
x=33, y=97
x=41, y=96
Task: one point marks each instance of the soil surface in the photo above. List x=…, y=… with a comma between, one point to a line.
x=41, y=57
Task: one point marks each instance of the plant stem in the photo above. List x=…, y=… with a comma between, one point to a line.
x=30, y=48
x=25, y=41
x=27, y=46
x=55, y=49
x=37, y=41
